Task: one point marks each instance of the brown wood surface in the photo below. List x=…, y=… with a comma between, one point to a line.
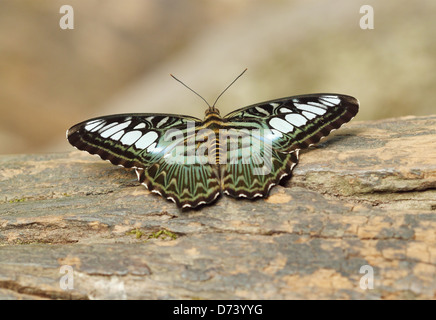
x=364, y=196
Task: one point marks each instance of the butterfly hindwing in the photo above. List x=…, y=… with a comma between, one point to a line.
x=186, y=185
x=241, y=179
x=251, y=165
x=297, y=122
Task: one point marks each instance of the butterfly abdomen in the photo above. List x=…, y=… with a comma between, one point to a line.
x=213, y=122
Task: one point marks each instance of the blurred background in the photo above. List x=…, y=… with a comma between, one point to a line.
x=119, y=55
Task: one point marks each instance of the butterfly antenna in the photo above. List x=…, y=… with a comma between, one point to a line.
x=190, y=89
x=228, y=87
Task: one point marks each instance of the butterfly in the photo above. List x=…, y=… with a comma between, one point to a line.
x=192, y=162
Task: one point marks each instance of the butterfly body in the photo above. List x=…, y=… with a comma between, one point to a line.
x=192, y=162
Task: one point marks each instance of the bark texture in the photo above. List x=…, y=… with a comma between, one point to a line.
x=366, y=196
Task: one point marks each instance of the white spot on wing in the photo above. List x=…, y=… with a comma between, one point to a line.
x=152, y=147
x=106, y=128
x=92, y=124
x=140, y=126
x=117, y=135
x=115, y=129
x=285, y=110
x=130, y=137
x=332, y=99
x=309, y=115
x=98, y=127
x=296, y=119
x=317, y=104
x=281, y=125
x=277, y=133
x=146, y=140
x=94, y=121
x=274, y=104
x=110, y=125
x=313, y=109
x=162, y=122
x=262, y=110
x=273, y=134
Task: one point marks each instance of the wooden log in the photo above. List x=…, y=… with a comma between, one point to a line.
x=366, y=196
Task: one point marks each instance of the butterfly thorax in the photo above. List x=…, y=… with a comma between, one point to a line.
x=212, y=112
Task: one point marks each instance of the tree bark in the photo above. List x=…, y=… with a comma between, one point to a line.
x=361, y=202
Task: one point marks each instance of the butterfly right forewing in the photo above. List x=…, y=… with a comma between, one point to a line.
x=299, y=121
